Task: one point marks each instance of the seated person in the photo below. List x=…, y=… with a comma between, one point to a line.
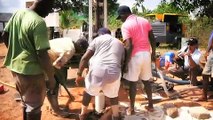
x=190, y=57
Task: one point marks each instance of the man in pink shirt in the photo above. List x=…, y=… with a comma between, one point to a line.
x=138, y=39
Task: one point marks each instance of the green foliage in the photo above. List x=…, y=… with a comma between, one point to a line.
x=69, y=18
x=113, y=23
x=65, y=19
x=165, y=7
x=200, y=28
x=199, y=7
x=75, y=5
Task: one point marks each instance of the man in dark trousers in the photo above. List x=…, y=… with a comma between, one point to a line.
x=26, y=38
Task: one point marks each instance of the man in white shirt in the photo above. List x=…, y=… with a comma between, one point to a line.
x=105, y=54
x=191, y=66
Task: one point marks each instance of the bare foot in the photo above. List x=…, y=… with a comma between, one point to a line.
x=130, y=111
x=201, y=99
x=150, y=109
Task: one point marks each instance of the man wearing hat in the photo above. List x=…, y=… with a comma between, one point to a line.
x=139, y=42
x=191, y=57
x=104, y=54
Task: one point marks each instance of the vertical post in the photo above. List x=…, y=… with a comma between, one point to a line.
x=105, y=13
x=90, y=21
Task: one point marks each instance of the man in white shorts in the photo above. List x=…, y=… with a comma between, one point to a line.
x=105, y=55
x=138, y=38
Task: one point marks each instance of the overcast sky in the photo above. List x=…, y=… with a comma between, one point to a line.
x=149, y=4
x=10, y=6
x=13, y=5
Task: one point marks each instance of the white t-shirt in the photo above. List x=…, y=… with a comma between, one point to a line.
x=107, y=58
x=64, y=49
x=195, y=56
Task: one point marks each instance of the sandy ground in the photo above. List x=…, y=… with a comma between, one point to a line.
x=12, y=110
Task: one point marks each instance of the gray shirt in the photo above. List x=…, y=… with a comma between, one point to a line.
x=108, y=56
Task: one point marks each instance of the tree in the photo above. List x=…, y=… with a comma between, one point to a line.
x=165, y=7
x=81, y=6
x=199, y=7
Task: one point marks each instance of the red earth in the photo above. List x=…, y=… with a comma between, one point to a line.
x=12, y=110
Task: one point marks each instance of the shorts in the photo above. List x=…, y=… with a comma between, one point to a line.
x=139, y=67
x=110, y=90
x=207, y=70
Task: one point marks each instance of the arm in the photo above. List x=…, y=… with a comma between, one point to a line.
x=210, y=45
x=5, y=38
x=83, y=64
x=46, y=64
x=153, y=44
x=128, y=50
x=192, y=63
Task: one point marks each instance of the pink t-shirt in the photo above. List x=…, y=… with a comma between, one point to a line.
x=137, y=28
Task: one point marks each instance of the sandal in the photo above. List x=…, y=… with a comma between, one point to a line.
x=149, y=109
x=130, y=111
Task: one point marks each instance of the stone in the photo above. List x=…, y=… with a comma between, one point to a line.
x=170, y=109
x=172, y=112
x=199, y=112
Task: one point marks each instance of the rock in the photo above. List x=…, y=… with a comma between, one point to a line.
x=199, y=112
x=170, y=109
x=172, y=112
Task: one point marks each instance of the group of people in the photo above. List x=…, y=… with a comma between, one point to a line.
x=188, y=62
x=35, y=62
x=189, y=65
x=109, y=59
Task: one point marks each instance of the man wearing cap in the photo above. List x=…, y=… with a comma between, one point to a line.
x=207, y=70
x=138, y=39
x=104, y=55
x=191, y=55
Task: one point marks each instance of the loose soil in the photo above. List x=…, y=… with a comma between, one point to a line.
x=12, y=110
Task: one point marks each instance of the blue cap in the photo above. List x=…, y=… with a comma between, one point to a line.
x=103, y=31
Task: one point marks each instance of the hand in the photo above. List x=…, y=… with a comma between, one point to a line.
x=153, y=57
x=187, y=54
x=206, y=55
x=78, y=80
